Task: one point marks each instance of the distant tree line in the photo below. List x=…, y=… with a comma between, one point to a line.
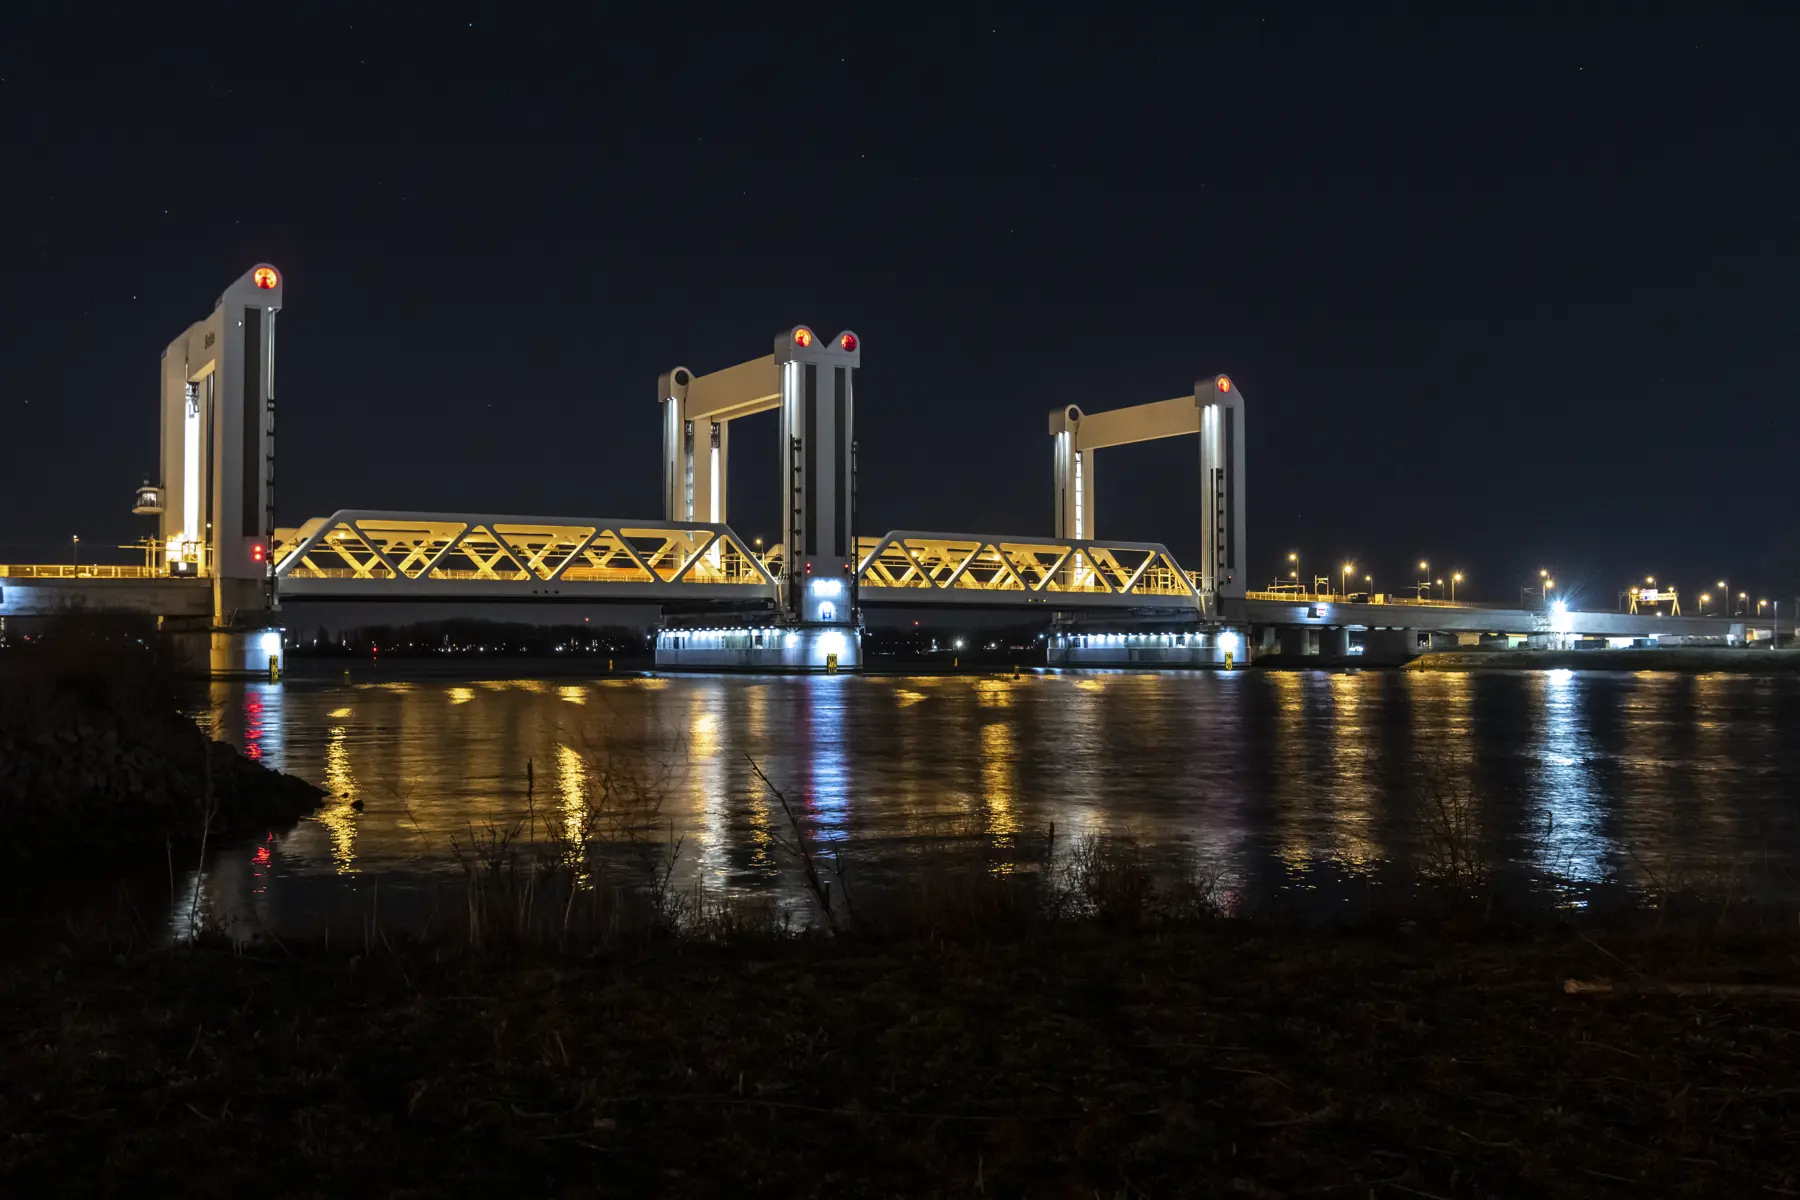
x=473, y=636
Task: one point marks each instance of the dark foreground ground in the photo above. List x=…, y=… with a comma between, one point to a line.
x=1221, y=1061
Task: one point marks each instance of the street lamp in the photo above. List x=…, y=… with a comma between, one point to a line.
x=1725, y=591
x=1744, y=601
x=1344, y=579
x=75, y=551
x=1704, y=598
x=1455, y=578
x=1425, y=578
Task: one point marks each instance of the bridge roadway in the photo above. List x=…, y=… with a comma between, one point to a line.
x=44, y=591
x=368, y=555
x=1439, y=617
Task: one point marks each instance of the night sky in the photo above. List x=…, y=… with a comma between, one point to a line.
x=1506, y=293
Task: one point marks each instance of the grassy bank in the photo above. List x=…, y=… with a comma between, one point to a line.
x=99, y=761
x=1188, y=1058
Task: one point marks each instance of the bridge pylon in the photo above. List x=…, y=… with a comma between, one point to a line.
x=811, y=381
x=216, y=502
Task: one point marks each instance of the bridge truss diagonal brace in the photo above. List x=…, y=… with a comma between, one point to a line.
x=1114, y=571
x=595, y=556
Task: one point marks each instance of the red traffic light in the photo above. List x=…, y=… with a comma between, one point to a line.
x=848, y=341
x=258, y=553
x=265, y=277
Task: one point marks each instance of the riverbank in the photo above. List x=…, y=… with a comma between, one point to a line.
x=1693, y=659
x=99, y=762
x=1202, y=1059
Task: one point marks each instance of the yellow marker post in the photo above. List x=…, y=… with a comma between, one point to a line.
x=1228, y=660
x=274, y=669
x=831, y=664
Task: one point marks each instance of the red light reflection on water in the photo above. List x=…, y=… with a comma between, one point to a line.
x=253, y=727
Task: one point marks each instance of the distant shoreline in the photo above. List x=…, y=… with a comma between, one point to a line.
x=1692, y=659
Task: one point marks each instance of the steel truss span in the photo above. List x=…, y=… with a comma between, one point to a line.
x=907, y=567
x=373, y=555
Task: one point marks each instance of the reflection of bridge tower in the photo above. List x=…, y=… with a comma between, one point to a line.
x=217, y=500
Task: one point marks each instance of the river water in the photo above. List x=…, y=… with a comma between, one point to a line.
x=1305, y=788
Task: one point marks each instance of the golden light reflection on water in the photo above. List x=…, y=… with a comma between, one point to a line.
x=994, y=693
x=572, y=788
x=573, y=693
x=1279, y=771
x=999, y=778
x=1354, y=755
x=337, y=817
x=1294, y=796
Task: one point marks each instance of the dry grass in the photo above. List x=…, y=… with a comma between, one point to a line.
x=1080, y=1061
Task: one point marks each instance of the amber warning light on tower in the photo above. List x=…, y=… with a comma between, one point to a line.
x=266, y=278
x=802, y=336
x=1224, y=383
x=848, y=341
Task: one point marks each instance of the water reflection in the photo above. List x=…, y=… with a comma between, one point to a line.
x=1288, y=781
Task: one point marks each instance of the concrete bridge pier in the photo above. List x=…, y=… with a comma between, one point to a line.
x=1334, y=642
x=1391, y=645
x=1297, y=641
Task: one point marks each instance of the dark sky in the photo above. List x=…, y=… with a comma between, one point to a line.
x=1503, y=291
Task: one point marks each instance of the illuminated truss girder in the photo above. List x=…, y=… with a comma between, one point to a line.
x=909, y=567
x=375, y=554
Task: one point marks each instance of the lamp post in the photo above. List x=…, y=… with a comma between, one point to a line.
x=1294, y=568
x=1424, y=577
x=75, y=552
x=1744, y=602
x=1725, y=594
x=1704, y=598
x=1455, y=578
x=1344, y=579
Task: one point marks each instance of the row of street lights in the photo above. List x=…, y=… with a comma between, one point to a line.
x=1423, y=587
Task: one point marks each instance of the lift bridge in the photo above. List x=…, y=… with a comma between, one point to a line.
x=226, y=569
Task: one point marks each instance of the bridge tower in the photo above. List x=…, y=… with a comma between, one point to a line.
x=1215, y=411
x=811, y=382
x=217, y=500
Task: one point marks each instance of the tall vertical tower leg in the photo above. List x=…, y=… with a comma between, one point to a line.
x=1222, y=557
x=218, y=439
x=818, y=434
x=671, y=393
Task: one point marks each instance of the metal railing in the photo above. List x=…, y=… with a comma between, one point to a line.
x=83, y=571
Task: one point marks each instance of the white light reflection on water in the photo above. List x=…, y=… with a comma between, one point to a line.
x=1276, y=774
x=1571, y=840
x=828, y=785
